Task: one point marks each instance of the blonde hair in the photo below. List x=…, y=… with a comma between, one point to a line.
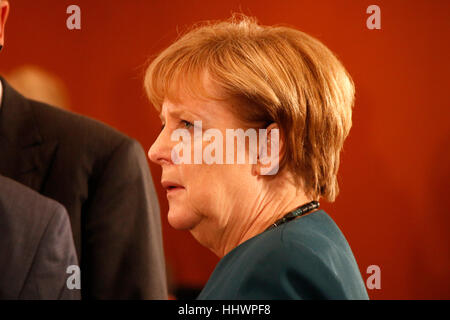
x=267, y=74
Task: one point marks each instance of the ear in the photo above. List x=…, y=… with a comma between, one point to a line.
x=4, y=10
x=270, y=151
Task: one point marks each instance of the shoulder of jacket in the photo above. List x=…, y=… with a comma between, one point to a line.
x=66, y=126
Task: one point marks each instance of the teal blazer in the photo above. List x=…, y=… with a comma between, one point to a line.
x=307, y=258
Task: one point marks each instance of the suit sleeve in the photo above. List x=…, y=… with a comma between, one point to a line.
x=47, y=277
x=123, y=255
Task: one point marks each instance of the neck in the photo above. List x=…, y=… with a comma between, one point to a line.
x=272, y=203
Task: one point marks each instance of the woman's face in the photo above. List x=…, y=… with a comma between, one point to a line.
x=203, y=198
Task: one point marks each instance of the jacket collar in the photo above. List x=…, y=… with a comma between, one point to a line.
x=25, y=154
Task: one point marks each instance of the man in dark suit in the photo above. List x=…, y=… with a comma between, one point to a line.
x=36, y=247
x=103, y=180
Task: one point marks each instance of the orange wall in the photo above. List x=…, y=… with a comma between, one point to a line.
x=394, y=201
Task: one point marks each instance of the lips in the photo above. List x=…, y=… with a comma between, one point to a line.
x=171, y=186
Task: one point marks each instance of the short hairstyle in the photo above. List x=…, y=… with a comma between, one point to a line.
x=268, y=74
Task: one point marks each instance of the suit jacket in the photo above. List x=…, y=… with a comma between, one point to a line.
x=304, y=259
x=102, y=178
x=36, y=245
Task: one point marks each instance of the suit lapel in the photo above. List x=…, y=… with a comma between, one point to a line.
x=24, y=155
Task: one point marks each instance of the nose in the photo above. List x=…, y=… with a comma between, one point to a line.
x=160, y=150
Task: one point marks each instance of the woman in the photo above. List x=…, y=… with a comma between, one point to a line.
x=260, y=217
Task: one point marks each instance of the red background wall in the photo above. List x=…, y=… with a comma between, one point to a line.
x=394, y=200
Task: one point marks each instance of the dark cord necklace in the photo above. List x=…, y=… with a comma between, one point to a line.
x=295, y=213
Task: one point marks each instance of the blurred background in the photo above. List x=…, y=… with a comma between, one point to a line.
x=394, y=177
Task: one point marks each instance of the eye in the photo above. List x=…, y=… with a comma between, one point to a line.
x=187, y=124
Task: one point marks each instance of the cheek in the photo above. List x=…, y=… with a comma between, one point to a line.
x=220, y=187
x=188, y=207
x=202, y=186
x=212, y=192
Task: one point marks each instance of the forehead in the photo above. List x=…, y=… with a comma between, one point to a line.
x=200, y=108
x=200, y=100
x=197, y=93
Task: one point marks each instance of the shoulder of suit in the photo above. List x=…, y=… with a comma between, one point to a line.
x=311, y=237
x=54, y=122
x=22, y=206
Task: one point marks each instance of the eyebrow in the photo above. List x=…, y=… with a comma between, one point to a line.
x=181, y=114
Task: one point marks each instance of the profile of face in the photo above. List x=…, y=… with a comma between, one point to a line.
x=203, y=198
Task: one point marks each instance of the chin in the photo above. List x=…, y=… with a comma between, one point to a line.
x=181, y=219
